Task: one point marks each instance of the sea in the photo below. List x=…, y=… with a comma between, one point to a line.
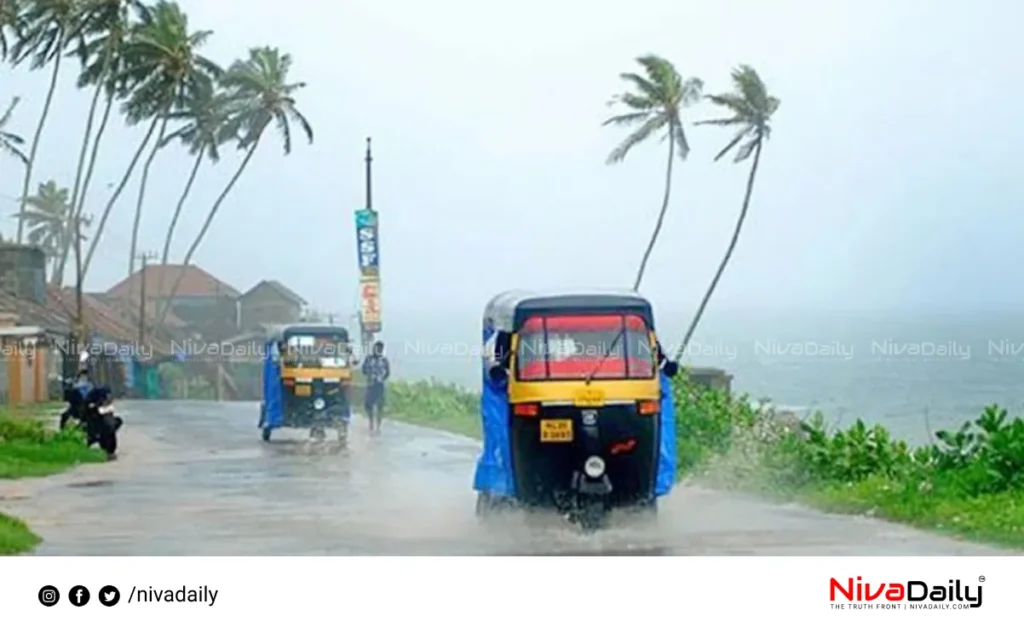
x=913, y=374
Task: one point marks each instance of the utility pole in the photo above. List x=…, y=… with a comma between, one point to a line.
x=366, y=335
x=79, y=334
x=369, y=172
x=144, y=260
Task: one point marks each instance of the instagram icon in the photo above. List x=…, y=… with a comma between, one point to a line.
x=49, y=596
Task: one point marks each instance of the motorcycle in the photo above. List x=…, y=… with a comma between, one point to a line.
x=95, y=415
x=101, y=421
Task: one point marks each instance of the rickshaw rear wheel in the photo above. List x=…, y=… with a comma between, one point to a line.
x=592, y=515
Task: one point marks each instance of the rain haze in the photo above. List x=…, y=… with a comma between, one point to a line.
x=884, y=209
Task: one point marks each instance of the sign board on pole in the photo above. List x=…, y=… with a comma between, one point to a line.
x=367, y=241
x=368, y=252
x=369, y=304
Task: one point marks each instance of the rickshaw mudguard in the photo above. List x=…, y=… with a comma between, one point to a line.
x=272, y=396
x=666, y=476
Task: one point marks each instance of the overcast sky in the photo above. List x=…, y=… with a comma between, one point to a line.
x=888, y=181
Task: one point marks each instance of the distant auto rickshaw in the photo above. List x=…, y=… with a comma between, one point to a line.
x=307, y=378
x=576, y=406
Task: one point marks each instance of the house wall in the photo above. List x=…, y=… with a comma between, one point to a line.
x=23, y=375
x=265, y=305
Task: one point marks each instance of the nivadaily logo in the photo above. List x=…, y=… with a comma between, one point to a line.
x=912, y=594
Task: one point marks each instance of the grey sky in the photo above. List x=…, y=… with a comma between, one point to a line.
x=887, y=182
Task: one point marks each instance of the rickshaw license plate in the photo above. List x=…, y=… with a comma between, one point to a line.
x=589, y=398
x=303, y=390
x=556, y=430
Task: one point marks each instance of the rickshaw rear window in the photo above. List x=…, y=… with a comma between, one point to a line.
x=572, y=347
x=320, y=350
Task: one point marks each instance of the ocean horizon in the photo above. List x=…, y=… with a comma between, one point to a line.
x=914, y=375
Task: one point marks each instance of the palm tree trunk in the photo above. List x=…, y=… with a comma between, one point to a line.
x=142, y=193
x=181, y=205
x=95, y=152
x=35, y=140
x=117, y=193
x=73, y=212
x=664, y=208
x=204, y=229
x=728, y=253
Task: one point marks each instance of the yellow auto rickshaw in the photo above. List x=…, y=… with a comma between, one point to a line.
x=576, y=405
x=307, y=379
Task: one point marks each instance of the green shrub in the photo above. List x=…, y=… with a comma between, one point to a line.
x=29, y=449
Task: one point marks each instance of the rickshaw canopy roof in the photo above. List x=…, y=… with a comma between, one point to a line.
x=507, y=310
x=281, y=332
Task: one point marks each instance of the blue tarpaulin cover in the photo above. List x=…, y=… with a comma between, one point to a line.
x=271, y=407
x=667, y=450
x=494, y=468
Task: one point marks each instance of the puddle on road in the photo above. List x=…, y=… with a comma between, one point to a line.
x=98, y=483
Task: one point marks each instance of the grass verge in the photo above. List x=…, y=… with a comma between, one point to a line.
x=969, y=483
x=29, y=449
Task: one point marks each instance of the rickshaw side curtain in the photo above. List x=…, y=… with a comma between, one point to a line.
x=666, y=476
x=272, y=415
x=494, y=468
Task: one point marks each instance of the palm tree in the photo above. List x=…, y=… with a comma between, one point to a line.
x=47, y=216
x=10, y=11
x=9, y=141
x=655, y=105
x=105, y=26
x=166, y=69
x=750, y=112
x=259, y=93
x=159, y=69
x=45, y=30
x=202, y=133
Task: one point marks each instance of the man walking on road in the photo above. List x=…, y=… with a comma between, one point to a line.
x=377, y=370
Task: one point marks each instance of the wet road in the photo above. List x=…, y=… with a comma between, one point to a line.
x=194, y=479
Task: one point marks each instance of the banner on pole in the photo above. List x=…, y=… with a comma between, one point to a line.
x=369, y=303
x=367, y=248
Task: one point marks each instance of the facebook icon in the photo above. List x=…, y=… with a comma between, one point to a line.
x=79, y=596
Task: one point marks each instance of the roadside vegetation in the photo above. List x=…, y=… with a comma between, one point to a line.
x=967, y=483
x=28, y=448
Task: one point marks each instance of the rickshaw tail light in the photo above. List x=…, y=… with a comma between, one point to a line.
x=526, y=410
x=288, y=382
x=649, y=407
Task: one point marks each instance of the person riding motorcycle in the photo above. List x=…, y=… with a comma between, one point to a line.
x=76, y=396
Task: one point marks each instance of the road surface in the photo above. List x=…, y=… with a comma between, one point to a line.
x=194, y=479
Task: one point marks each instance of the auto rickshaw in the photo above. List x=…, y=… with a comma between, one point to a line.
x=576, y=406
x=307, y=378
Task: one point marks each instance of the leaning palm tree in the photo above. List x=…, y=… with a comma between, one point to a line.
x=167, y=69
x=655, y=106
x=47, y=216
x=202, y=132
x=160, y=69
x=46, y=28
x=259, y=93
x=104, y=29
x=750, y=112
x=10, y=143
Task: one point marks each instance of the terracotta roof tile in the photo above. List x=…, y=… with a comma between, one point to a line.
x=195, y=282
